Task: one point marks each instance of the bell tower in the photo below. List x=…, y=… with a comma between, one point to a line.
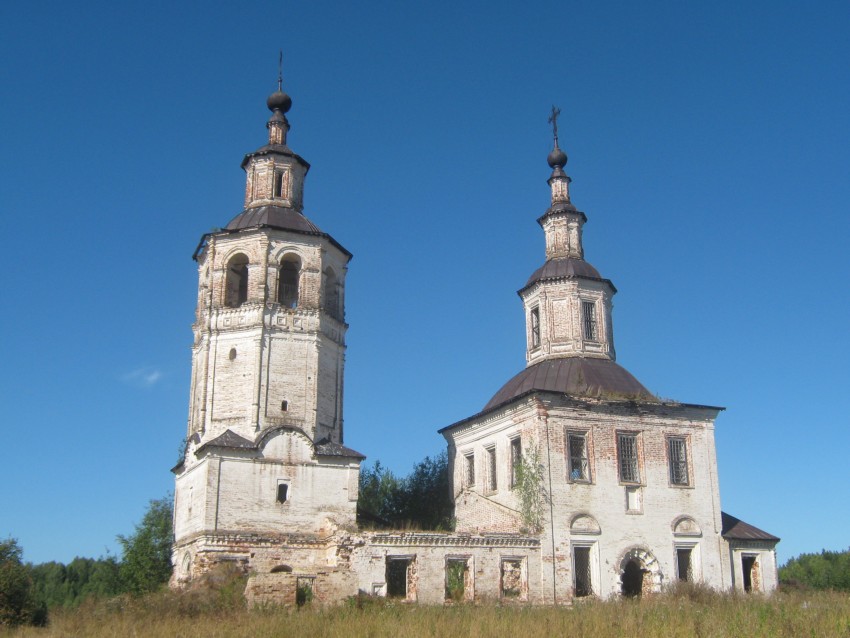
x=264, y=459
x=269, y=345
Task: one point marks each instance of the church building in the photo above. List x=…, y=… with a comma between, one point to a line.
x=572, y=481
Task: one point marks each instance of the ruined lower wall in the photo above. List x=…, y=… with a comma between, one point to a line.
x=429, y=568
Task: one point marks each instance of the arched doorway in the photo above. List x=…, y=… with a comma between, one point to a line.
x=632, y=580
x=639, y=573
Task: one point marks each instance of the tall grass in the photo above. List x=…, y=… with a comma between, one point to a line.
x=221, y=614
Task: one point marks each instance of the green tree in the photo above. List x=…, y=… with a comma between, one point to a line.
x=827, y=570
x=17, y=605
x=146, y=560
x=420, y=500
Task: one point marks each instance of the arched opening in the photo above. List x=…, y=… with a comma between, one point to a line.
x=236, y=282
x=330, y=294
x=287, y=289
x=633, y=579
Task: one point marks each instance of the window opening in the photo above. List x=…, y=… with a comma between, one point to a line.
x=469, y=467
x=457, y=573
x=516, y=460
x=628, y=454
x=535, y=327
x=284, y=406
x=491, y=469
x=678, y=455
x=236, y=282
x=287, y=294
x=589, y=312
x=277, y=190
x=331, y=293
x=398, y=577
x=512, y=581
x=581, y=572
x=304, y=590
x=683, y=564
x=282, y=489
x=579, y=470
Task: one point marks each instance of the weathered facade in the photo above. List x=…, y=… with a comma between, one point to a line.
x=572, y=481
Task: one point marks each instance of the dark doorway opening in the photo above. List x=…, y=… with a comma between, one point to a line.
x=683, y=558
x=747, y=564
x=632, y=579
x=581, y=564
x=397, y=577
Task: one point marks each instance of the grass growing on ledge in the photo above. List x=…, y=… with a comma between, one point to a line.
x=706, y=615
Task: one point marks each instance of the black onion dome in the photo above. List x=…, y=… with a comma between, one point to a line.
x=574, y=376
x=274, y=217
x=564, y=268
x=279, y=101
x=557, y=158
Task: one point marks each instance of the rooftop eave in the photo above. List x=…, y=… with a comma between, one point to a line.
x=275, y=149
x=223, y=232
x=561, y=209
x=565, y=278
x=625, y=400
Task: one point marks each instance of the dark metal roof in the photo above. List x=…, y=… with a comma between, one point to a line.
x=230, y=439
x=328, y=448
x=576, y=376
x=736, y=529
x=275, y=217
x=565, y=268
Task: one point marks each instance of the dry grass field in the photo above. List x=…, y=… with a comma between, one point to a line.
x=685, y=614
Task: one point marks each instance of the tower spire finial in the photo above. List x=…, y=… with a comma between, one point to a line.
x=553, y=120
x=280, y=71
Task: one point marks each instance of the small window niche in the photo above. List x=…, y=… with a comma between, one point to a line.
x=284, y=406
x=634, y=500
x=492, y=470
x=282, y=492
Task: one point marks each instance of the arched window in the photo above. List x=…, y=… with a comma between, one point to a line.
x=287, y=288
x=330, y=294
x=236, y=283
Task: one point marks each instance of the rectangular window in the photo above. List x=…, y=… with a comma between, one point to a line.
x=581, y=572
x=492, y=485
x=277, y=190
x=683, y=564
x=516, y=459
x=282, y=490
x=535, y=327
x=677, y=452
x=588, y=311
x=458, y=580
x=579, y=469
x=513, y=582
x=627, y=452
x=469, y=469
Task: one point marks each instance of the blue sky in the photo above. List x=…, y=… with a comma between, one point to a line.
x=709, y=145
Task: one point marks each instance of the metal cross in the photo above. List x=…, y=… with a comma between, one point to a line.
x=553, y=120
x=280, y=71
